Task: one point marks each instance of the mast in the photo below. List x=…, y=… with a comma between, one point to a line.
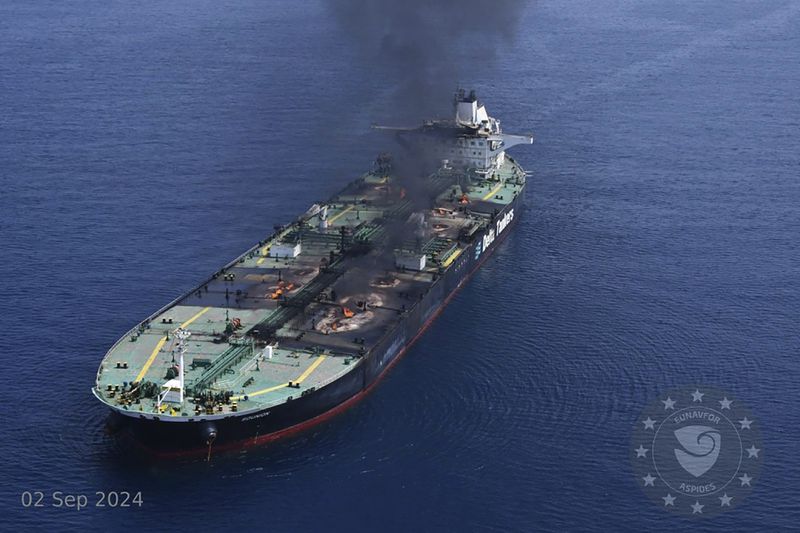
x=182, y=335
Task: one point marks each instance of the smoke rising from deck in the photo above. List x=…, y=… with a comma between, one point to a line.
x=412, y=55
x=417, y=52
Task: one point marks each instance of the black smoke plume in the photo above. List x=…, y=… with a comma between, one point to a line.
x=412, y=56
x=418, y=51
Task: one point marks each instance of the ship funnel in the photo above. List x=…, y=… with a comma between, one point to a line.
x=472, y=114
x=467, y=113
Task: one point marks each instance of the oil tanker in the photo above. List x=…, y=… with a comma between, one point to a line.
x=307, y=320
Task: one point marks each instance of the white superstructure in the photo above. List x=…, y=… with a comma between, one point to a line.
x=482, y=144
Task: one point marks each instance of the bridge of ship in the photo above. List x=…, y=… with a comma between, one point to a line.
x=310, y=290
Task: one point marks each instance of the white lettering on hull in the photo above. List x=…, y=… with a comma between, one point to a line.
x=490, y=236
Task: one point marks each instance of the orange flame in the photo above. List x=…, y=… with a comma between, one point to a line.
x=464, y=199
x=276, y=294
x=347, y=312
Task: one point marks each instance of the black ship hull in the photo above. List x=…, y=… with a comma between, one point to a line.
x=165, y=439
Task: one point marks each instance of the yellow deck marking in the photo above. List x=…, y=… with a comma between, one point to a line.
x=150, y=359
x=302, y=377
x=493, y=191
x=264, y=252
x=310, y=369
x=335, y=218
x=452, y=258
x=160, y=345
x=195, y=317
x=262, y=391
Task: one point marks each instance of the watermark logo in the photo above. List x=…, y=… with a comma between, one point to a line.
x=701, y=448
x=696, y=451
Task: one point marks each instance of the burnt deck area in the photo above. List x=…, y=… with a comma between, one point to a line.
x=297, y=310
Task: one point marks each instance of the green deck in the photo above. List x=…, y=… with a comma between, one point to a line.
x=308, y=352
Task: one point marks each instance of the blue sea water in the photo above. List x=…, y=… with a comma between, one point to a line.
x=144, y=144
